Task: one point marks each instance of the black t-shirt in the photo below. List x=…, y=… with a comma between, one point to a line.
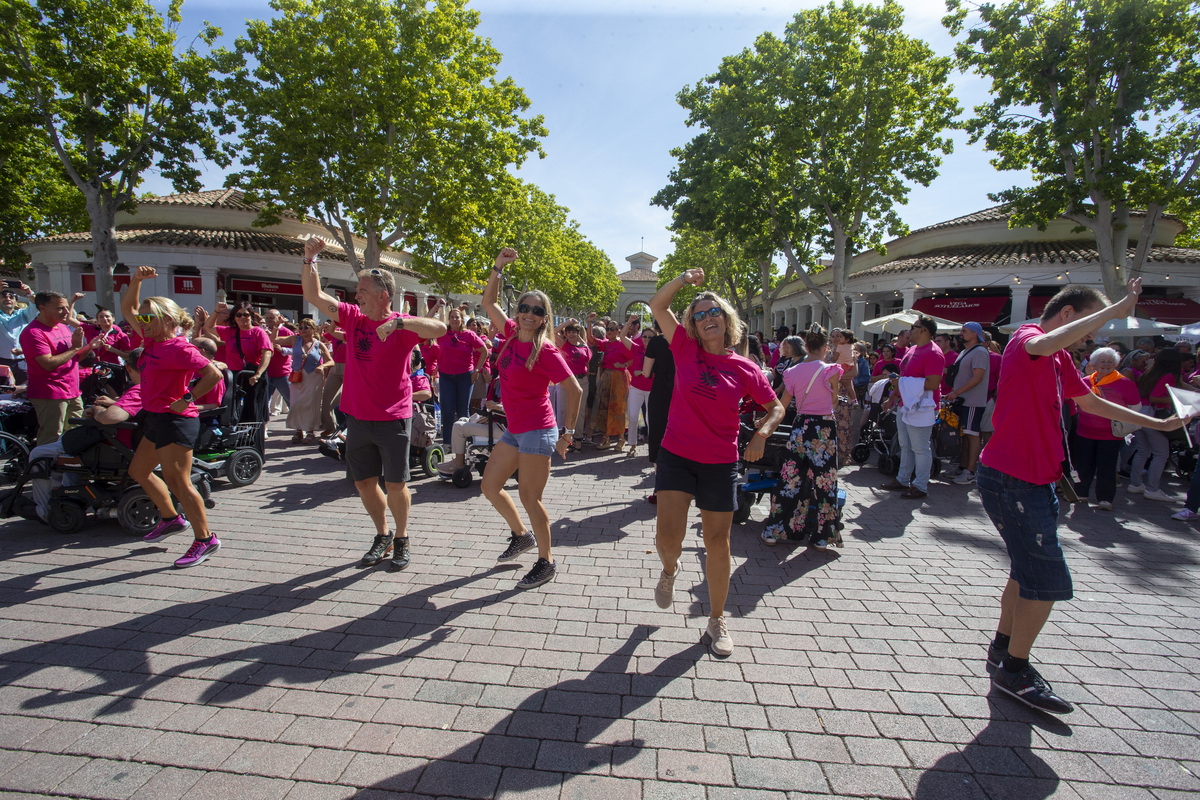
x=664, y=365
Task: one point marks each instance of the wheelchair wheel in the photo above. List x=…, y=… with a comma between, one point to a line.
x=745, y=502
x=67, y=516
x=136, y=512
x=889, y=465
x=462, y=477
x=433, y=456
x=244, y=467
x=14, y=457
x=860, y=453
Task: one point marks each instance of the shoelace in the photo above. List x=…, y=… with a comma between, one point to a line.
x=196, y=547
x=722, y=629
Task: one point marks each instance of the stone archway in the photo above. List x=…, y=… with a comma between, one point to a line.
x=628, y=300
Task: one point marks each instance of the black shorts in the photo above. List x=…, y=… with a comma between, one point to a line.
x=375, y=448
x=714, y=486
x=972, y=420
x=165, y=428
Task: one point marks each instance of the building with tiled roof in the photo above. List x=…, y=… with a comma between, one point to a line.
x=975, y=267
x=205, y=246
x=639, y=283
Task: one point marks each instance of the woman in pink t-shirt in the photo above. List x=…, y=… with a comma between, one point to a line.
x=698, y=459
x=805, y=508
x=1094, y=449
x=172, y=422
x=612, y=381
x=527, y=364
x=1152, y=448
x=569, y=338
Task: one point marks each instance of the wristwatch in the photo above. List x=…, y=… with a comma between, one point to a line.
x=186, y=396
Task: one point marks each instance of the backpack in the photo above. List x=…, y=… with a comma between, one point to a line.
x=424, y=426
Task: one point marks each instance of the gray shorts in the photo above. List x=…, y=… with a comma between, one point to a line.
x=375, y=448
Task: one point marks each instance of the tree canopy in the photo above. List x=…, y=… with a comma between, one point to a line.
x=103, y=86
x=381, y=118
x=1099, y=100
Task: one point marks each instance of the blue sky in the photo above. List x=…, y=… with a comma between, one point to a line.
x=605, y=76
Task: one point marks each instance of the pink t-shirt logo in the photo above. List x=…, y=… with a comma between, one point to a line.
x=363, y=343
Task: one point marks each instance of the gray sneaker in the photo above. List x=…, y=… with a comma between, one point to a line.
x=518, y=543
x=664, y=592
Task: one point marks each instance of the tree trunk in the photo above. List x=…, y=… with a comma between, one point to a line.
x=102, y=211
x=768, y=300
x=837, y=283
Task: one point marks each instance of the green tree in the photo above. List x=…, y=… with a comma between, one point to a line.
x=728, y=272
x=112, y=98
x=811, y=141
x=380, y=118
x=1099, y=100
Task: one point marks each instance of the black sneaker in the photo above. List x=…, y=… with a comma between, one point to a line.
x=518, y=543
x=381, y=548
x=1031, y=689
x=996, y=656
x=542, y=572
x=400, y=557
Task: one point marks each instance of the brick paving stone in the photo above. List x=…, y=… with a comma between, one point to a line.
x=528, y=784
x=101, y=779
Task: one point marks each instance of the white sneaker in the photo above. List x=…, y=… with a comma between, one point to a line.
x=664, y=592
x=447, y=467
x=1104, y=505
x=1185, y=515
x=965, y=477
x=719, y=640
x=1135, y=489
x=1159, y=495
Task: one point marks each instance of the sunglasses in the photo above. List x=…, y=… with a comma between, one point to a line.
x=525, y=308
x=715, y=311
x=612, y=328
x=146, y=319
x=240, y=314
x=8, y=294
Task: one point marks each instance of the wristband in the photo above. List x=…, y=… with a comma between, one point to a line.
x=760, y=433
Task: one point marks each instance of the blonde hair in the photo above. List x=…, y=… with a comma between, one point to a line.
x=167, y=309
x=544, y=334
x=735, y=329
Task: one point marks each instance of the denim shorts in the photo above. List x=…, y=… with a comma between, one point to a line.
x=1026, y=514
x=534, y=443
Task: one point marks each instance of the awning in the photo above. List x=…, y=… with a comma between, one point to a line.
x=1037, y=304
x=983, y=310
x=1171, y=310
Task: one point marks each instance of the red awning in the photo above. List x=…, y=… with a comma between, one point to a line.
x=1170, y=310
x=983, y=310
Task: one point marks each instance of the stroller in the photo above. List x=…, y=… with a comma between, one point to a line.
x=762, y=476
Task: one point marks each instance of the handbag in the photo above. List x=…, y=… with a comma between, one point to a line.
x=295, y=376
x=1122, y=429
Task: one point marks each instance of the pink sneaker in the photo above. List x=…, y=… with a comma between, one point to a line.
x=166, y=528
x=200, y=550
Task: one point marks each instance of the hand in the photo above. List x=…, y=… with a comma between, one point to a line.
x=754, y=450
x=77, y=339
x=25, y=290
x=181, y=405
x=1132, y=290
x=441, y=303
x=221, y=311
x=200, y=315
x=507, y=256
x=75, y=298
x=312, y=247
x=591, y=316
x=1171, y=423
x=695, y=277
x=387, y=329
x=99, y=343
x=144, y=273
x=253, y=379
x=564, y=442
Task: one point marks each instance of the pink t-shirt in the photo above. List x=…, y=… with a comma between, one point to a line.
x=431, y=354
x=818, y=400
x=458, y=350
x=995, y=361
x=921, y=362
x=1028, y=442
x=1123, y=392
x=168, y=368
x=702, y=424
x=883, y=362
x=60, y=383
x=635, y=369
x=420, y=383
x=951, y=358
x=615, y=353
x=215, y=396
x=577, y=358
x=376, y=387
x=116, y=337
x=524, y=391
x=901, y=350
x=253, y=342
x=131, y=402
x=1160, y=390
x=280, y=364
x=337, y=348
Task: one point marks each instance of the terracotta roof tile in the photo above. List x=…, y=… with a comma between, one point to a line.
x=638, y=275
x=993, y=214
x=234, y=199
x=987, y=255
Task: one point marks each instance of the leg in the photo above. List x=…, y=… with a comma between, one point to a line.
x=633, y=407
x=905, y=475
x=330, y=395
x=51, y=416
x=581, y=419
x=717, y=563
x=671, y=528
x=177, y=471
x=1141, y=456
x=1193, y=494
x=535, y=472
x=1106, y=469
x=141, y=469
x=500, y=466
x=374, y=501
x=399, y=500
x=919, y=438
x=972, y=445
x=1083, y=453
x=448, y=397
x=1160, y=452
x=1022, y=619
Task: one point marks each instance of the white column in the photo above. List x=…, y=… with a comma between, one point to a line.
x=910, y=297
x=1020, y=302
x=422, y=303
x=858, y=311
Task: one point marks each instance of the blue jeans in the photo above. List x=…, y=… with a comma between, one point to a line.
x=281, y=385
x=1026, y=515
x=916, y=454
x=454, y=395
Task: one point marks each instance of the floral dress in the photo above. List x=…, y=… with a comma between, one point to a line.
x=805, y=508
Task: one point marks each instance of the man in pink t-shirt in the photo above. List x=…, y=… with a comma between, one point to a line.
x=922, y=359
x=280, y=366
x=52, y=351
x=376, y=396
x=1020, y=466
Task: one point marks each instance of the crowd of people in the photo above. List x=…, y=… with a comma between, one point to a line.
x=710, y=395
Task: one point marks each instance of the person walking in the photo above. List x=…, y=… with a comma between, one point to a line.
x=570, y=341
x=1094, y=447
x=1152, y=449
x=527, y=364
x=279, y=369
x=376, y=397
x=698, y=459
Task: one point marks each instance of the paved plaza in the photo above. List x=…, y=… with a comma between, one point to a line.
x=280, y=669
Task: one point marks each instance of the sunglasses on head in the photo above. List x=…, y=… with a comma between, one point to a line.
x=715, y=311
x=146, y=319
x=525, y=308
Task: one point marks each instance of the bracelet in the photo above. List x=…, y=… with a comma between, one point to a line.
x=760, y=433
x=312, y=260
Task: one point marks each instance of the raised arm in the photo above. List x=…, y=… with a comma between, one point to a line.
x=1050, y=343
x=310, y=280
x=660, y=304
x=131, y=300
x=491, y=293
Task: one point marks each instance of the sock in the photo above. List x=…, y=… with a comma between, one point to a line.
x=1013, y=665
x=1001, y=641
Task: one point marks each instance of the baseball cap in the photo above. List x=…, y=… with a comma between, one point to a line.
x=975, y=328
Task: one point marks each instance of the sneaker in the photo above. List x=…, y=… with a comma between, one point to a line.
x=1031, y=689
x=166, y=528
x=1135, y=489
x=996, y=656
x=542, y=572
x=200, y=550
x=719, y=641
x=400, y=556
x=768, y=539
x=381, y=548
x=964, y=477
x=447, y=467
x=952, y=472
x=1185, y=515
x=1104, y=505
x=1159, y=495
x=518, y=543
x=664, y=592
